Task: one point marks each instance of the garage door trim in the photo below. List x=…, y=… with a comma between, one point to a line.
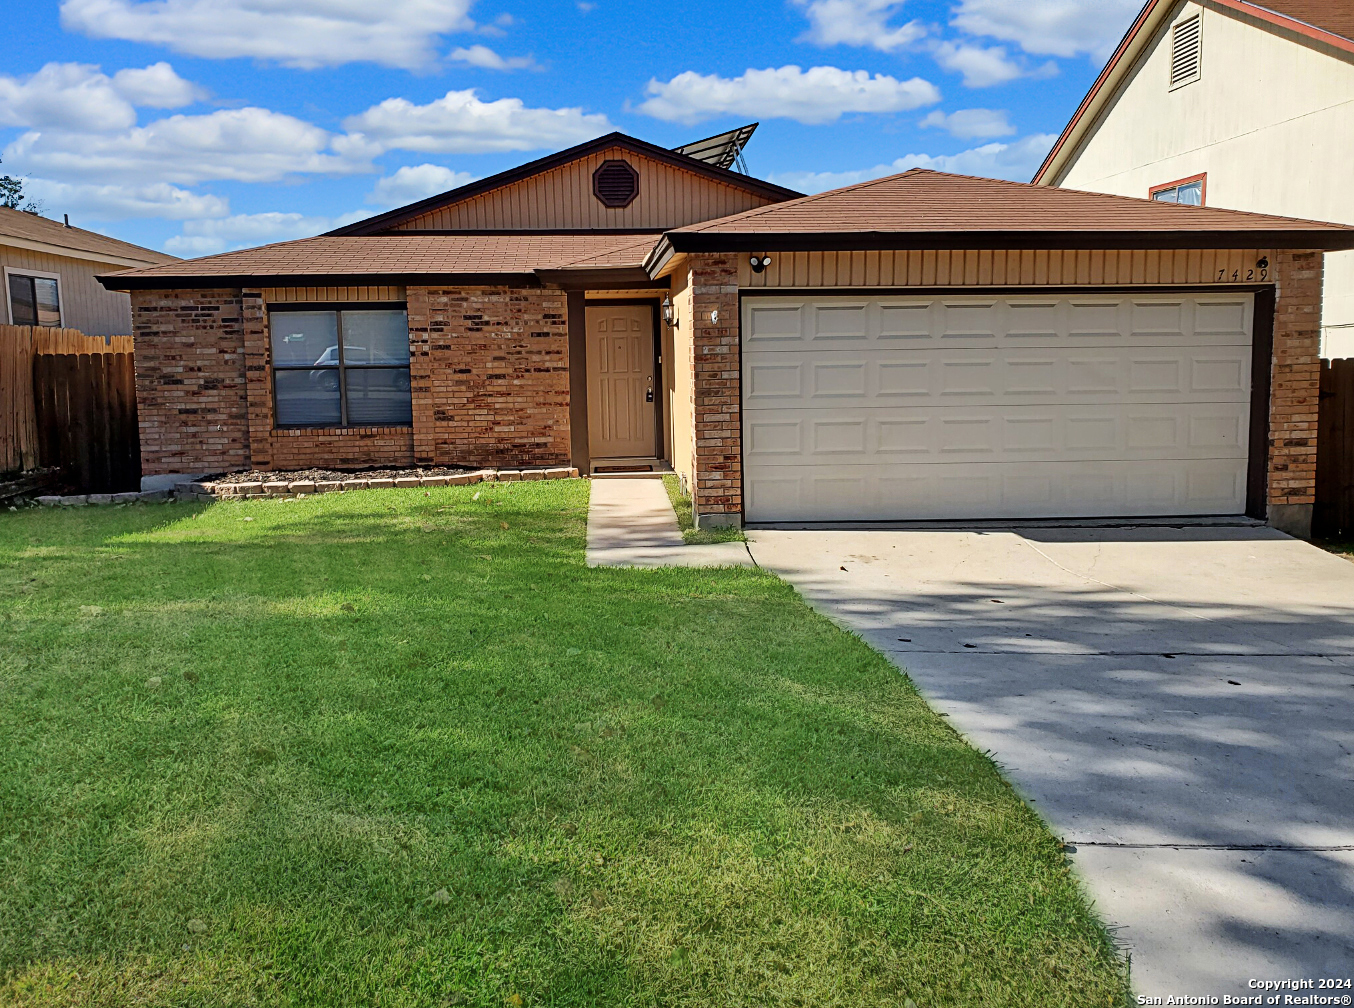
x=1262, y=340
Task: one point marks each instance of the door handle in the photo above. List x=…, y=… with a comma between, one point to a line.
x=648, y=395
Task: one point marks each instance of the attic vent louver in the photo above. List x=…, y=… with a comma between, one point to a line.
x=615, y=183
x=1186, y=51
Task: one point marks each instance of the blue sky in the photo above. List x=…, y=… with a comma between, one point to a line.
x=197, y=126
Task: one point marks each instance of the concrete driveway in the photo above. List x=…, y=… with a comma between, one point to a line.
x=1177, y=702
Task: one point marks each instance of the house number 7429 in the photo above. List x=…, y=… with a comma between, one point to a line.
x=1251, y=274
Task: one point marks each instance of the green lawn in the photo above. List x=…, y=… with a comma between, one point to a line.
x=681, y=507
x=403, y=748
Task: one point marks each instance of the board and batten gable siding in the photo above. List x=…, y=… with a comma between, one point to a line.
x=1005, y=268
x=562, y=198
x=85, y=305
x=1270, y=120
x=313, y=295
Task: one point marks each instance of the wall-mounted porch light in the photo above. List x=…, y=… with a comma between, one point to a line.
x=669, y=316
x=760, y=263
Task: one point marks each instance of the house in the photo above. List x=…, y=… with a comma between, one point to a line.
x=49, y=272
x=924, y=346
x=1228, y=103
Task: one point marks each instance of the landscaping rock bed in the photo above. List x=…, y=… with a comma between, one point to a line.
x=277, y=484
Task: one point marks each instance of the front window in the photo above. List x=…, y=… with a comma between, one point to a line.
x=1187, y=191
x=34, y=300
x=346, y=368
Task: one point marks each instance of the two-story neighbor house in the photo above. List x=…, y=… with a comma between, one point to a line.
x=49, y=271
x=916, y=347
x=1228, y=103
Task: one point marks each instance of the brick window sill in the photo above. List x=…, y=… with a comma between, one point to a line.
x=331, y=431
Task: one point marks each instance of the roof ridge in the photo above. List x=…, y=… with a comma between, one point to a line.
x=800, y=201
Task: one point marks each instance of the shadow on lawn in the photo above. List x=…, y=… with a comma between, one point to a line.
x=625, y=783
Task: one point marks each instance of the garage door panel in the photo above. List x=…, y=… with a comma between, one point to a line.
x=973, y=406
x=1026, y=433
x=811, y=379
x=959, y=321
x=901, y=492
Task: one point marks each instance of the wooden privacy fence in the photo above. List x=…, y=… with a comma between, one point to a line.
x=68, y=401
x=1334, y=513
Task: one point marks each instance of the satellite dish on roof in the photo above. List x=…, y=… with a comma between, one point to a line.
x=723, y=151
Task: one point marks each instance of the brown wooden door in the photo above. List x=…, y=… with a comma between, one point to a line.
x=621, y=417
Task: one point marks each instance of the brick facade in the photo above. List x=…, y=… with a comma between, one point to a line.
x=1295, y=370
x=717, y=469
x=190, y=381
x=489, y=371
x=1295, y=378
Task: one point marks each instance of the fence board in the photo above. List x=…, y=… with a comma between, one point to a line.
x=1334, y=512
x=86, y=414
x=18, y=425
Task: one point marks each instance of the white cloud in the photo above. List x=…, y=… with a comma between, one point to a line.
x=462, y=124
x=981, y=66
x=157, y=86
x=78, y=96
x=1017, y=161
x=416, y=182
x=244, y=145
x=115, y=202
x=296, y=33
x=205, y=237
x=486, y=59
x=817, y=95
x=858, y=23
x=1050, y=27
x=971, y=124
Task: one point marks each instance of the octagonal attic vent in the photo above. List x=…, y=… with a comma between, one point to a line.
x=615, y=183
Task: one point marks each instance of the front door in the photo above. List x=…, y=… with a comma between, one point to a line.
x=621, y=417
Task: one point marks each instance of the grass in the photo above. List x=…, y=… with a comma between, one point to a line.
x=681, y=504
x=404, y=748
x=1340, y=547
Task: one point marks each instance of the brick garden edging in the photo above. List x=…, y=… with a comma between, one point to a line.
x=242, y=491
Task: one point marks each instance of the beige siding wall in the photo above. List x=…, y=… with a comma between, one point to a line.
x=1270, y=120
x=85, y=305
x=1005, y=268
x=681, y=376
x=562, y=198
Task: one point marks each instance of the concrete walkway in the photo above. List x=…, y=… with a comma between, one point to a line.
x=1177, y=702
x=631, y=524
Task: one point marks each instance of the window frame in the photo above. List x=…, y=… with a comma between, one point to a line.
x=341, y=367
x=1201, y=178
x=1171, y=84
x=35, y=275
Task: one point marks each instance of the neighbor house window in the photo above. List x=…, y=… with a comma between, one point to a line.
x=346, y=368
x=1189, y=191
x=34, y=299
x=1186, y=51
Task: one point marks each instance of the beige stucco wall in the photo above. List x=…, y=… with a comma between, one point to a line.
x=85, y=305
x=1270, y=120
x=678, y=365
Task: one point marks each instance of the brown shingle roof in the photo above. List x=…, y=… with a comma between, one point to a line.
x=1334, y=16
x=936, y=209
x=32, y=228
x=396, y=255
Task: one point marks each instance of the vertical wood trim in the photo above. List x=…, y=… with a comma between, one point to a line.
x=577, y=319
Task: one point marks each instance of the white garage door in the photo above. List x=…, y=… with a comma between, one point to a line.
x=897, y=408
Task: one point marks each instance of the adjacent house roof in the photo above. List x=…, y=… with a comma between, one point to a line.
x=398, y=258
x=1328, y=22
x=386, y=221
x=38, y=234
x=929, y=209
